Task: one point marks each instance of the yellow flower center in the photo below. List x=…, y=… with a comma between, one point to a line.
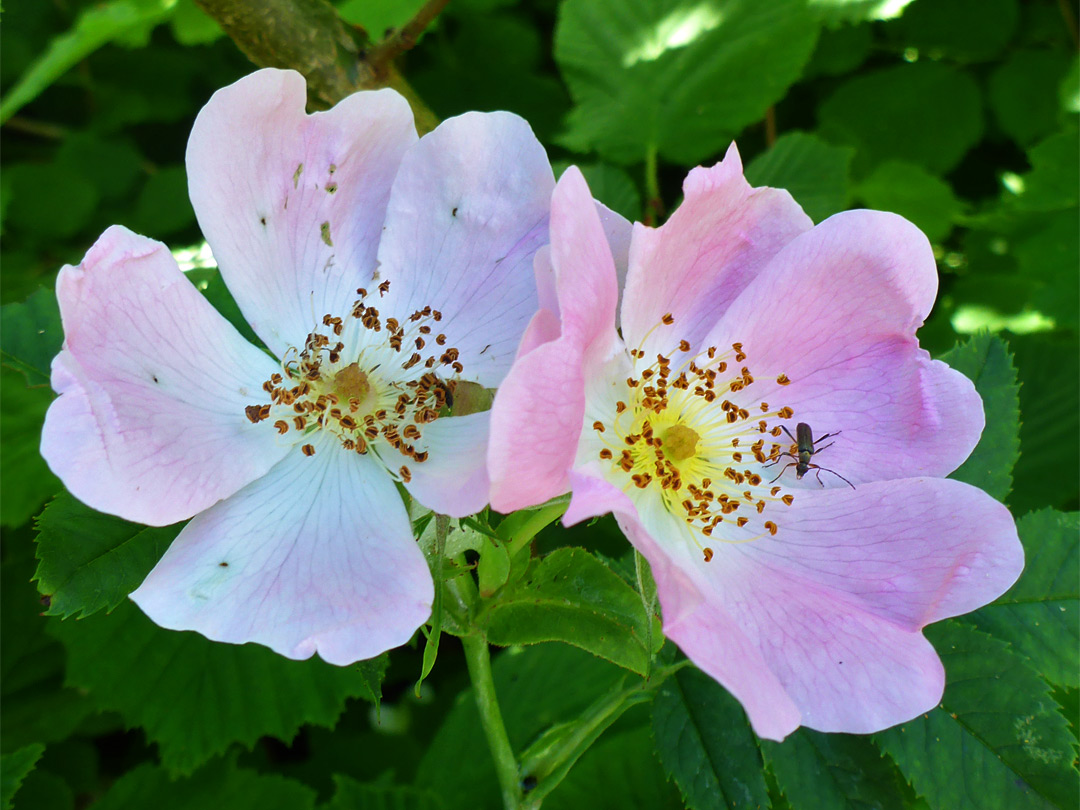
x=373, y=399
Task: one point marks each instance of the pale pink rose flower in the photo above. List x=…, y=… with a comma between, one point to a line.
x=739, y=318
x=300, y=540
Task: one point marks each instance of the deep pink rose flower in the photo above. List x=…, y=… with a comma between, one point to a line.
x=740, y=318
x=300, y=540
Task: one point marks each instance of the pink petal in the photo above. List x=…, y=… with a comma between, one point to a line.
x=453, y=480
x=831, y=608
x=715, y=243
x=536, y=418
x=836, y=311
x=293, y=204
x=708, y=636
x=316, y=556
x=153, y=384
x=468, y=212
x=912, y=551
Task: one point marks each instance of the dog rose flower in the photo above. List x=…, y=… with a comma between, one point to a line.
x=381, y=272
x=803, y=594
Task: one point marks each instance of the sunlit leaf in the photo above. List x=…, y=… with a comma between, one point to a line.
x=647, y=76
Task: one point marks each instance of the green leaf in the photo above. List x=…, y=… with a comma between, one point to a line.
x=610, y=185
x=1054, y=180
x=925, y=113
x=915, y=194
x=617, y=773
x=163, y=207
x=31, y=335
x=1048, y=473
x=493, y=568
x=35, y=706
x=571, y=596
x=834, y=772
x=491, y=61
x=49, y=201
x=195, y=697
x=1051, y=255
x=646, y=74
x=834, y=12
x=706, y=744
x=840, y=50
x=89, y=561
x=13, y=769
x=220, y=784
x=960, y=30
x=1023, y=93
x=98, y=24
x=815, y=173
x=28, y=482
x=1040, y=615
x=372, y=673
x=193, y=26
x=352, y=795
x=998, y=740
x=112, y=166
x=985, y=360
x=537, y=687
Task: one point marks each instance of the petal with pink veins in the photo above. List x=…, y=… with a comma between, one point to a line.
x=836, y=312
x=316, y=556
x=911, y=551
x=703, y=257
x=832, y=607
x=293, y=204
x=468, y=211
x=153, y=383
x=453, y=480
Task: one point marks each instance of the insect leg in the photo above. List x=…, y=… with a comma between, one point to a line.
x=792, y=464
x=838, y=475
x=777, y=459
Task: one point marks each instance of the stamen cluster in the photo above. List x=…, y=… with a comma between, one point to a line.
x=694, y=434
x=369, y=398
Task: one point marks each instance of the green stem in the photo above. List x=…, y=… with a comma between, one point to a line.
x=654, y=204
x=478, y=660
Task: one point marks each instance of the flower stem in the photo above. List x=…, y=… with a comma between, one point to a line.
x=478, y=660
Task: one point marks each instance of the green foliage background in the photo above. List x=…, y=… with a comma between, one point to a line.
x=958, y=114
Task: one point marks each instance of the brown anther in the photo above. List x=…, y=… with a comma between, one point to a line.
x=668, y=319
x=254, y=413
x=308, y=450
x=598, y=426
x=771, y=527
x=684, y=346
x=605, y=454
x=620, y=406
x=783, y=379
x=384, y=287
x=788, y=499
x=282, y=426
x=740, y=522
x=785, y=413
x=406, y=476
x=774, y=490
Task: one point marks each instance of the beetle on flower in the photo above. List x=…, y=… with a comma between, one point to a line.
x=739, y=318
x=381, y=271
